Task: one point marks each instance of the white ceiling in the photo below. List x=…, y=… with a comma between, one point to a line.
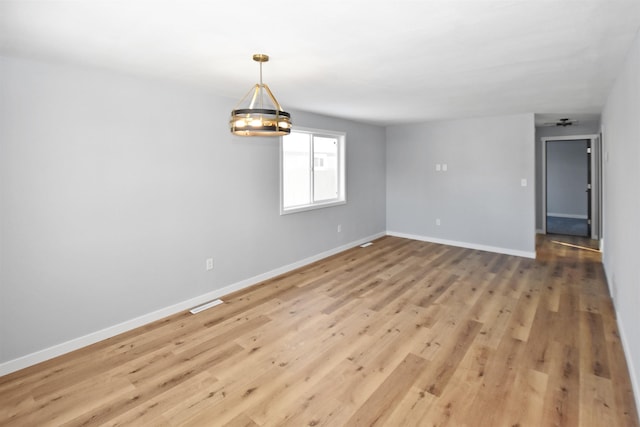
x=384, y=62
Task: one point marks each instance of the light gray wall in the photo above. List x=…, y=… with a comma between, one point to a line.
x=621, y=147
x=115, y=189
x=587, y=128
x=480, y=199
x=567, y=178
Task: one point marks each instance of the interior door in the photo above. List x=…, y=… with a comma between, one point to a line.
x=568, y=207
x=588, y=188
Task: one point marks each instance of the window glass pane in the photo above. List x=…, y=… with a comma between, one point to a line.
x=325, y=168
x=296, y=174
x=313, y=174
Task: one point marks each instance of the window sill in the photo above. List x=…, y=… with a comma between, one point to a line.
x=312, y=207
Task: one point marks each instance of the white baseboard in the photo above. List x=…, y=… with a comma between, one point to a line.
x=467, y=245
x=633, y=374
x=611, y=284
x=540, y=231
x=83, y=341
x=561, y=215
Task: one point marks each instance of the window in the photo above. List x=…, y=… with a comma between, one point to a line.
x=312, y=172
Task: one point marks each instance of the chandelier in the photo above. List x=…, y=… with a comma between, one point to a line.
x=258, y=113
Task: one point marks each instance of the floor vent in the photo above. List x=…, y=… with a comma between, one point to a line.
x=205, y=306
x=366, y=244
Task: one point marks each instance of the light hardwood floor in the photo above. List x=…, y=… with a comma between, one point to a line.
x=400, y=333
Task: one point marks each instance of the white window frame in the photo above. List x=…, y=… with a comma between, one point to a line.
x=342, y=172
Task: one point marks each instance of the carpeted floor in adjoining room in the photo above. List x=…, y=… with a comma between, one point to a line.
x=568, y=226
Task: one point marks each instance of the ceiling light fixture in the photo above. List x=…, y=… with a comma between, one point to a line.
x=259, y=113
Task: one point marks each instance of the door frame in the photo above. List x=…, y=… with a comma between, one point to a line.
x=595, y=178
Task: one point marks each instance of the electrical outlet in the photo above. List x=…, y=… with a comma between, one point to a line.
x=209, y=264
x=438, y=221
x=339, y=228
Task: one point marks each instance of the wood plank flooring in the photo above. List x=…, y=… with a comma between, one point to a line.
x=401, y=333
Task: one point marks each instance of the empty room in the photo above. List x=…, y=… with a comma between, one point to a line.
x=339, y=213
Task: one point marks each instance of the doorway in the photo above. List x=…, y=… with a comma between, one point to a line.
x=571, y=185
